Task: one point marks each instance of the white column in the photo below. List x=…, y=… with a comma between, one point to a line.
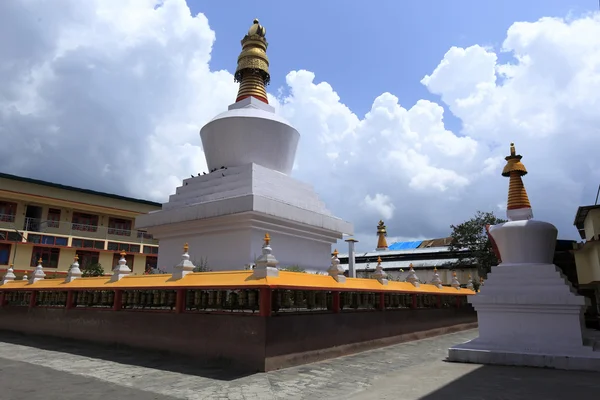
x=351, y=258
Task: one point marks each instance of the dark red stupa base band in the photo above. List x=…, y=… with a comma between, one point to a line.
x=256, y=97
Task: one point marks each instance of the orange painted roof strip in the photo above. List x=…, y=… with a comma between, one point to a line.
x=232, y=279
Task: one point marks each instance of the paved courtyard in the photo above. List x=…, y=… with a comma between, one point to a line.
x=34, y=368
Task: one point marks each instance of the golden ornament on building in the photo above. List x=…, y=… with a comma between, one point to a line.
x=252, y=70
x=514, y=170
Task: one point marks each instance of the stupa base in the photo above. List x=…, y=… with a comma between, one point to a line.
x=583, y=358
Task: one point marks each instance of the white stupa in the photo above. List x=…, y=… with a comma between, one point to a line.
x=250, y=153
x=528, y=312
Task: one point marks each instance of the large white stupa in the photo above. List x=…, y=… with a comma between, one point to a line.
x=528, y=312
x=250, y=152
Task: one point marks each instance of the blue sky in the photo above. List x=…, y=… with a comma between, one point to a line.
x=363, y=51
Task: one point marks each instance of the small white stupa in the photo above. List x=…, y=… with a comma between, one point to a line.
x=74, y=271
x=528, y=312
x=250, y=152
x=9, y=276
x=121, y=269
x=38, y=273
x=185, y=266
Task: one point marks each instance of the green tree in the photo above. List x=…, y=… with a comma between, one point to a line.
x=92, y=270
x=471, y=243
x=293, y=268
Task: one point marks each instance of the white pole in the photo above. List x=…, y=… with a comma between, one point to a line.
x=351, y=258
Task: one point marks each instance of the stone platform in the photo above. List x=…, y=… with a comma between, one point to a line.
x=410, y=371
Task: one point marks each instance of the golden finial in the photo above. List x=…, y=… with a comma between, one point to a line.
x=382, y=233
x=123, y=253
x=11, y=265
x=186, y=248
x=335, y=253
x=513, y=163
x=434, y=269
x=257, y=29
x=76, y=258
x=267, y=239
x=379, y=260
x=40, y=260
x=252, y=72
x=469, y=276
x=454, y=274
x=410, y=266
x=514, y=169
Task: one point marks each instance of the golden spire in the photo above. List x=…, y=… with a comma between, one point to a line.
x=123, y=253
x=382, y=233
x=76, y=258
x=252, y=70
x=186, y=247
x=40, y=260
x=335, y=253
x=514, y=169
x=267, y=239
x=379, y=260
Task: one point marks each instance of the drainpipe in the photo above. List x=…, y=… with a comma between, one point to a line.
x=351, y=258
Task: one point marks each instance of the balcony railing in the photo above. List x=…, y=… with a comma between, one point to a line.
x=87, y=231
x=9, y=218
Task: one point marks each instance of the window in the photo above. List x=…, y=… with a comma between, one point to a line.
x=53, y=217
x=144, y=235
x=7, y=211
x=150, y=249
x=4, y=253
x=87, y=258
x=129, y=258
x=85, y=222
x=47, y=240
x=151, y=263
x=117, y=246
x=10, y=236
x=49, y=256
x=88, y=244
x=118, y=226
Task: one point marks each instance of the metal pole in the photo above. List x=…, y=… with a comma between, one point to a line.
x=597, y=193
x=351, y=258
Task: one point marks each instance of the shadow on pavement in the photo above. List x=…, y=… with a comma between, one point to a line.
x=164, y=361
x=520, y=383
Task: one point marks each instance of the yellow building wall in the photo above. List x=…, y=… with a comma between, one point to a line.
x=587, y=261
x=41, y=194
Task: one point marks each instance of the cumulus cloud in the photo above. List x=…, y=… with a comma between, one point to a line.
x=379, y=205
x=110, y=95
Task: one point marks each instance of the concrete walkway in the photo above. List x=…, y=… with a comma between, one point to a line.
x=42, y=368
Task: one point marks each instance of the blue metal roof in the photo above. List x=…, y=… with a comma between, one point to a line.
x=405, y=245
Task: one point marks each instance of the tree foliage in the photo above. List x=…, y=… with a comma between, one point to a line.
x=471, y=243
x=293, y=268
x=92, y=270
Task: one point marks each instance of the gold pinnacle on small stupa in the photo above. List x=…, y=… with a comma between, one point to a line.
x=76, y=258
x=123, y=253
x=267, y=239
x=252, y=72
x=335, y=253
x=381, y=233
x=514, y=170
x=186, y=247
x=40, y=260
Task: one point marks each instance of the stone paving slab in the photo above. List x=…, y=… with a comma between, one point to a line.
x=413, y=370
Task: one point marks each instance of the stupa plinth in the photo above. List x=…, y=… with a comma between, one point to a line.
x=250, y=152
x=528, y=312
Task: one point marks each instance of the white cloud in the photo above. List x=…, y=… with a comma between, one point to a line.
x=111, y=95
x=380, y=205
